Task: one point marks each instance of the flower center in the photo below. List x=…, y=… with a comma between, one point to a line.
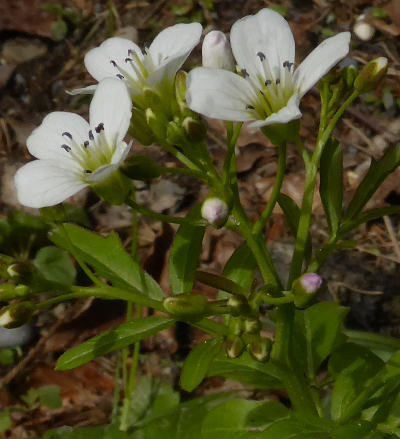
x=272, y=89
x=92, y=153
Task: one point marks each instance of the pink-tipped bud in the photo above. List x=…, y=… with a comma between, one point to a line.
x=217, y=52
x=305, y=289
x=215, y=211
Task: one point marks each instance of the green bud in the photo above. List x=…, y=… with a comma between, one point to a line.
x=5, y=262
x=371, y=75
x=194, y=129
x=235, y=347
x=260, y=349
x=349, y=74
x=141, y=167
x=305, y=288
x=186, y=306
x=13, y=316
x=252, y=326
x=113, y=189
x=20, y=271
x=238, y=305
x=235, y=326
x=10, y=291
x=175, y=134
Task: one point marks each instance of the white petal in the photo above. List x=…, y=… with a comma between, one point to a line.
x=219, y=94
x=98, y=61
x=120, y=153
x=43, y=183
x=101, y=173
x=320, y=61
x=111, y=105
x=46, y=140
x=284, y=115
x=89, y=90
x=175, y=42
x=266, y=32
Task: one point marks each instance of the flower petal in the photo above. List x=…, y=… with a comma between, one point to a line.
x=43, y=183
x=170, y=49
x=89, y=90
x=46, y=140
x=111, y=105
x=100, y=174
x=266, y=32
x=284, y=115
x=100, y=61
x=120, y=153
x=219, y=94
x=320, y=61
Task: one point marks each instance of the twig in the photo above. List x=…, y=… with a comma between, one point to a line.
x=392, y=234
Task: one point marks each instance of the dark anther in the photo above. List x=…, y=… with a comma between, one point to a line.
x=261, y=56
x=144, y=51
x=99, y=127
x=249, y=107
x=87, y=171
x=244, y=73
x=67, y=134
x=291, y=65
x=86, y=143
x=119, y=76
x=66, y=147
x=286, y=64
x=113, y=63
x=128, y=59
x=91, y=137
x=278, y=81
x=130, y=51
x=261, y=92
x=268, y=82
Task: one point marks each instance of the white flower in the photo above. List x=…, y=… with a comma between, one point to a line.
x=217, y=52
x=268, y=91
x=119, y=57
x=73, y=154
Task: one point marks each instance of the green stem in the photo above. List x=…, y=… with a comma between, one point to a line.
x=264, y=217
x=161, y=217
x=232, y=135
x=182, y=158
x=184, y=171
x=277, y=300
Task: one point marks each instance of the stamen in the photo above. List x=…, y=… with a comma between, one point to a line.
x=119, y=76
x=144, y=50
x=249, y=107
x=86, y=143
x=66, y=147
x=65, y=133
x=268, y=82
x=130, y=52
x=244, y=73
x=286, y=64
x=113, y=63
x=261, y=56
x=87, y=171
x=128, y=59
x=91, y=137
x=278, y=81
x=99, y=127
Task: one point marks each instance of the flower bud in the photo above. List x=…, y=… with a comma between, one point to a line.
x=195, y=129
x=252, y=326
x=305, y=289
x=215, y=211
x=13, y=316
x=238, y=305
x=349, y=74
x=217, y=52
x=186, y=306
x=20, y=271
x=362, y=29
x=234, y=347
x=10, y=291
x=260, y=349
x=371, y=74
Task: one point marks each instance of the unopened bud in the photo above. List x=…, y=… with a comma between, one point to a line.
x=141, y=167
x=186, y=306
x=305, y=289
x=362, y=29
x=238, y=306
x=350, y=74
x=195, y=129
x=215, y=211
x=371, y=74
x=175, y=134
x=20, y=271
x=217, y=52
x=260, y=349
x=252, y=326
x=10, y=291
x=234, y=347
x=13, y=316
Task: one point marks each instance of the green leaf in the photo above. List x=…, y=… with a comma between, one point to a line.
x=353, y=367
x=5, y=421
x=48, y=396
x=112, y=340
x=59, y=30
x=104, y=432
x=375, y=176
x=246, y=370
x=291, y=212
x=55, y=266
x=108, y=257
x=296, y=428
x=331, y=183
x=197, y=363
x=235, y=418
x=317, y=334
x=240, y=269
x=185, y=254
x=367, y=216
